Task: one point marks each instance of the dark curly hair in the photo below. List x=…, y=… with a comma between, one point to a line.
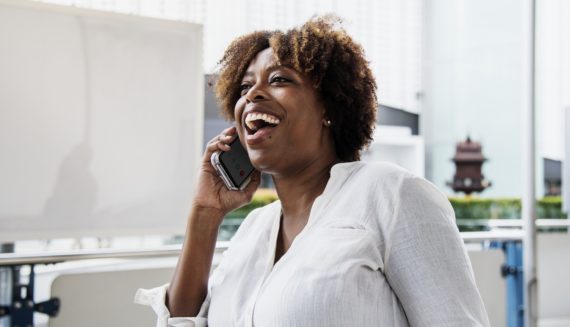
x=323, y=50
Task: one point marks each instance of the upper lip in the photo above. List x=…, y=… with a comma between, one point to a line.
x=255, y=108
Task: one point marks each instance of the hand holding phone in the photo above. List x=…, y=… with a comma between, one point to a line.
x=211, y=191
x=233, y=166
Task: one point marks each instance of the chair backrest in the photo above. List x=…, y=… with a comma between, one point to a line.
x=105, y=298
x=487, y=269
x=553, y=271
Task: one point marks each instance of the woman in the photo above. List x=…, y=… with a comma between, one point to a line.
x=348, y=243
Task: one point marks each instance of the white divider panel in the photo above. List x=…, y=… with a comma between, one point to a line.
x=101, y=119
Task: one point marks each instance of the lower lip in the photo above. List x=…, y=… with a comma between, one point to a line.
x=260, y=136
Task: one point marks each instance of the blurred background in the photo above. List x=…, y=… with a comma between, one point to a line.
x=105, y=109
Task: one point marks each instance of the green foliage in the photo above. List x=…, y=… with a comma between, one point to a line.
x=466, y=209
x=233, y=219
x=472, y=213
x=260, y=199
x=550, y=207
x=484, y=208
x=503, y=208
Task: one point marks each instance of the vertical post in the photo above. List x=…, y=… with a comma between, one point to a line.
x=566, y=163
x=528, y=161
x=512, y=272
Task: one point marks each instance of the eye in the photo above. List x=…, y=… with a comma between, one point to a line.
x=279, y=79
x=244, y=87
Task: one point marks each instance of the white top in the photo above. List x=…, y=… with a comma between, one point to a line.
x=381, y=248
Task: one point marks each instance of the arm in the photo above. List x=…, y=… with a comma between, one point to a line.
x=189, y=284
x=211, y=203
x=426, y=263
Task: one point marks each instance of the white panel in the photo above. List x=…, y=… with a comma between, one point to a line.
x=101, y=119
x=553, y=269
x=395, y=144
x=487, y=270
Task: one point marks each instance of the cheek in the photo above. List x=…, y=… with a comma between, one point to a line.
x=310, y=113
x=238, y=111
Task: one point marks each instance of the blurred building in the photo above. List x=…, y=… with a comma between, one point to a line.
x=473, y=84
x=552, y=177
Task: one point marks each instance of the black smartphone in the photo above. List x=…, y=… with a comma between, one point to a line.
x=233, y=166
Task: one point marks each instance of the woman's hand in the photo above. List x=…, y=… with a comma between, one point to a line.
x=212, y=193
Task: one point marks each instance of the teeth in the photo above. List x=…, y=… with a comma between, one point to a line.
x=249, y=119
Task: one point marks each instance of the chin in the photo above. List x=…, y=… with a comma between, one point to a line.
x=262, y=162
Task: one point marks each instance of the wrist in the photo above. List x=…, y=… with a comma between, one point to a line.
x=206, y=219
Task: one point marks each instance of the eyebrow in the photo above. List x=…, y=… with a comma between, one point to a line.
x=271, y=68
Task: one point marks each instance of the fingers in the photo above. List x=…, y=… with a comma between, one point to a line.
x=222, y=141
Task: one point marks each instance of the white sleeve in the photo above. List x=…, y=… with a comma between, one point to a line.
x=426, y=262
x=156, y=298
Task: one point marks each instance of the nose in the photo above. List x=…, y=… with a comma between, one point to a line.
x=254, y=94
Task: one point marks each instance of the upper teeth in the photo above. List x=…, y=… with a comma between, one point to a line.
x=259, y=116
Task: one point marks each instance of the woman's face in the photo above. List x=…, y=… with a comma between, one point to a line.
x=279, y=117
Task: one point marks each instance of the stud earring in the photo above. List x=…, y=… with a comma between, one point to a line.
x=327, y=122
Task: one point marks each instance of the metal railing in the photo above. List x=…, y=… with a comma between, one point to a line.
x=502, y=230
x=10, y=259
x=518, y=223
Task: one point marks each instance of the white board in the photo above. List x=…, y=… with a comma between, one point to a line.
x=101, y=122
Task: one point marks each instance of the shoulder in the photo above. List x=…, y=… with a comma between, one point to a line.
x=375, y=176
x=396, y=190
x=398, y=179
x=382, y=170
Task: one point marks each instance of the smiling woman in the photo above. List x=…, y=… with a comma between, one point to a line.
x=347, y=243
x=327, y=60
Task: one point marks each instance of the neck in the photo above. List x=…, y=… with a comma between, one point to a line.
x=298, y=189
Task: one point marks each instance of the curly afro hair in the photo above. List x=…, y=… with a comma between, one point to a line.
x=323, y=50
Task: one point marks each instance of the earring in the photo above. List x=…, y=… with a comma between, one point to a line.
x=327, y=122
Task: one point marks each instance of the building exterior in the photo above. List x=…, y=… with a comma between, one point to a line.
x=472, y=84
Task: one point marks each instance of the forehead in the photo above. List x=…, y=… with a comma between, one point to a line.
x=263, y=61
x=264, y=57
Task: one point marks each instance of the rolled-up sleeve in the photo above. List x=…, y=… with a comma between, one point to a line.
x=156, y=298
x=426, y=263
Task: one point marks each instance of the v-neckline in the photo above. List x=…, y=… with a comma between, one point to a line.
x=276, y=229
x=279, y=241
x=338, y=174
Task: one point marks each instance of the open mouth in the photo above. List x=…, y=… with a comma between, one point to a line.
x=255, y=122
